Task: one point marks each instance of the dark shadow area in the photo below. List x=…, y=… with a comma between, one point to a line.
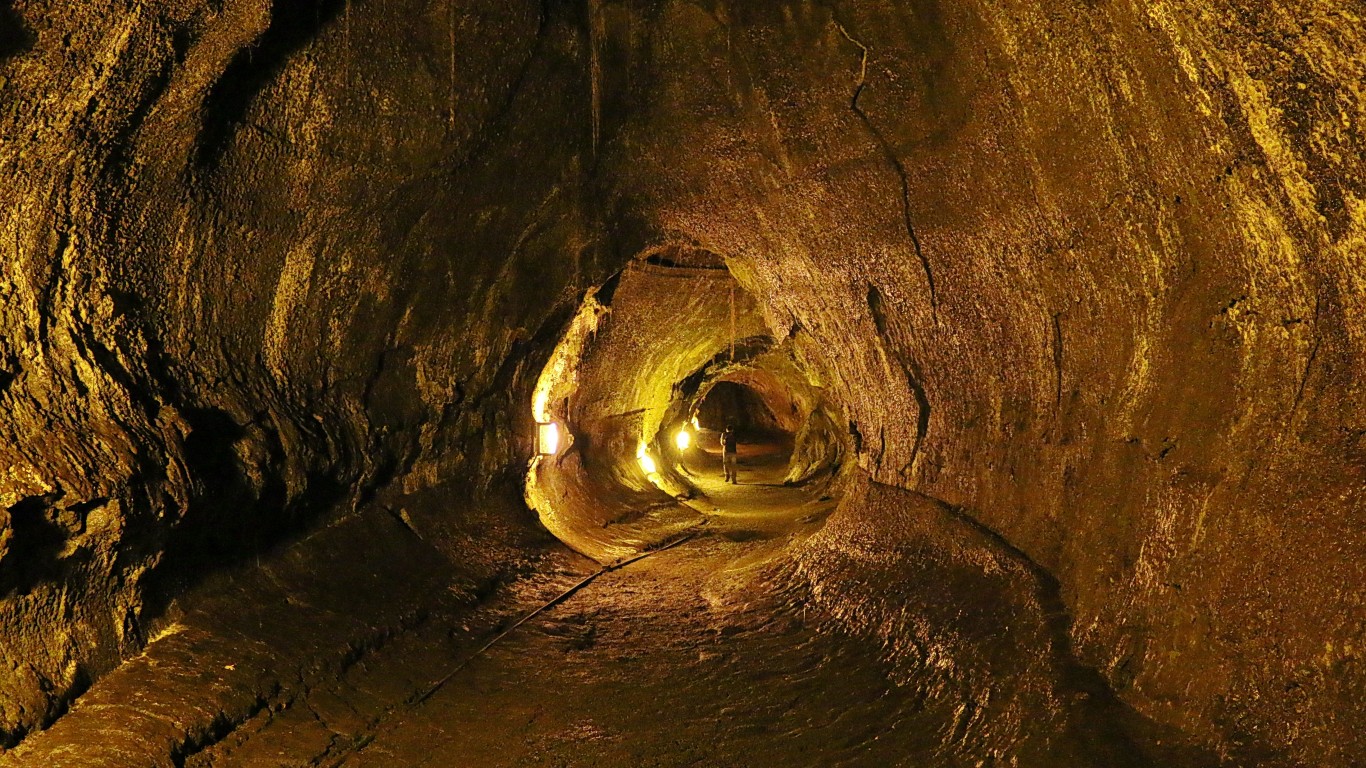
x=15, y=36
x=230, y=518
x=292, y=26
x=30, y=556
x=680, y=257
x=729, y=403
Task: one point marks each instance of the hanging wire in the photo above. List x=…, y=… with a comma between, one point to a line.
x=732, y=322
x=595, y=33
x=450, y=25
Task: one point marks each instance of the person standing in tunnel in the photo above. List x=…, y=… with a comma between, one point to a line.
x=730, y=444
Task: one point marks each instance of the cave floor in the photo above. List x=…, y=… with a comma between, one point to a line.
x=703, y=654
x=662, y=666
x=689, y=657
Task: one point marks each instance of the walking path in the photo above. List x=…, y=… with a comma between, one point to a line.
x=691, y=657
x=701, y=655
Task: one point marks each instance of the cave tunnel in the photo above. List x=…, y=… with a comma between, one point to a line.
x=362, y=364
x=737, y=405
x=656, y=363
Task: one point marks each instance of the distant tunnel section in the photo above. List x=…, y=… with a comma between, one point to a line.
x=632, y=401
x=731, y=403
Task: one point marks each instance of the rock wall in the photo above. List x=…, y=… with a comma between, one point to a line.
x=1090, y=273
x=263, y=261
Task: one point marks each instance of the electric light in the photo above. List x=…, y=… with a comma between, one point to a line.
x=548, y=439
x=683, y=439
x=647, y=463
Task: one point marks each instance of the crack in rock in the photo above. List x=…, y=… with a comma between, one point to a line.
x=892, y=160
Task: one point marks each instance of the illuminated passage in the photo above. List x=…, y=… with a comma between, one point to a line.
x=635, y=398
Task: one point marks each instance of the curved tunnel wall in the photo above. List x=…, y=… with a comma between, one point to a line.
x=661, y=324
x=1111, y=299
x=1091, y=274
x=644, y=352
x=251, y=252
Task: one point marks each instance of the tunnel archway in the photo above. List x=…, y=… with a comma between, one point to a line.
x=732, y=403
x=639, y=363
x=777, y=409
x=764, y=439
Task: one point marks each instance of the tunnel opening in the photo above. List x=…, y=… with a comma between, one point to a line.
x=761, y=443
x=731, y=403
x=630, y=408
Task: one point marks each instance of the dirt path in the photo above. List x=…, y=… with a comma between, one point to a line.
x=679, y=660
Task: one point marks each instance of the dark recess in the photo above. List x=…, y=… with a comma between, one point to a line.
x=875, y=309
x=32, y=554
x=15, y=36
x=228, y=520
x=292, y=25
x=608, y=290
x=740, y=406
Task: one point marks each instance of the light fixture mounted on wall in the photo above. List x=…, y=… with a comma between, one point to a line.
x=646, y=461
x=547, y=438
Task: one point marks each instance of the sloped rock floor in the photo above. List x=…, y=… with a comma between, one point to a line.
x=692, y=656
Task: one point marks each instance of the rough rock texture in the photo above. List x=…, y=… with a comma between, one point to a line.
x=251, y=254
x=256, y=642
x=997, y=653
x=662, y=324
x=649, y=348
x=1090, y=273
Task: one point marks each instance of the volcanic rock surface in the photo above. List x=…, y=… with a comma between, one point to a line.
x=1072, y=296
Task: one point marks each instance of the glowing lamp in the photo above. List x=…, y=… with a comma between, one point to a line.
x=683, y=439
x=548, y=439
x=647, y=463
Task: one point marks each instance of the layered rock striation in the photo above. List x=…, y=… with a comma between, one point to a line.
x=1088, y=276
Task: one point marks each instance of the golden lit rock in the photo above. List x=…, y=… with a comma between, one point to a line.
x=1045, y=326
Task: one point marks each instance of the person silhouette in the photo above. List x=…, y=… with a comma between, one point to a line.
x=730, y=444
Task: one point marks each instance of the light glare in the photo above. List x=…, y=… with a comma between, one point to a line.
x=683, y=439
x=549, y=438
x=647, y=463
